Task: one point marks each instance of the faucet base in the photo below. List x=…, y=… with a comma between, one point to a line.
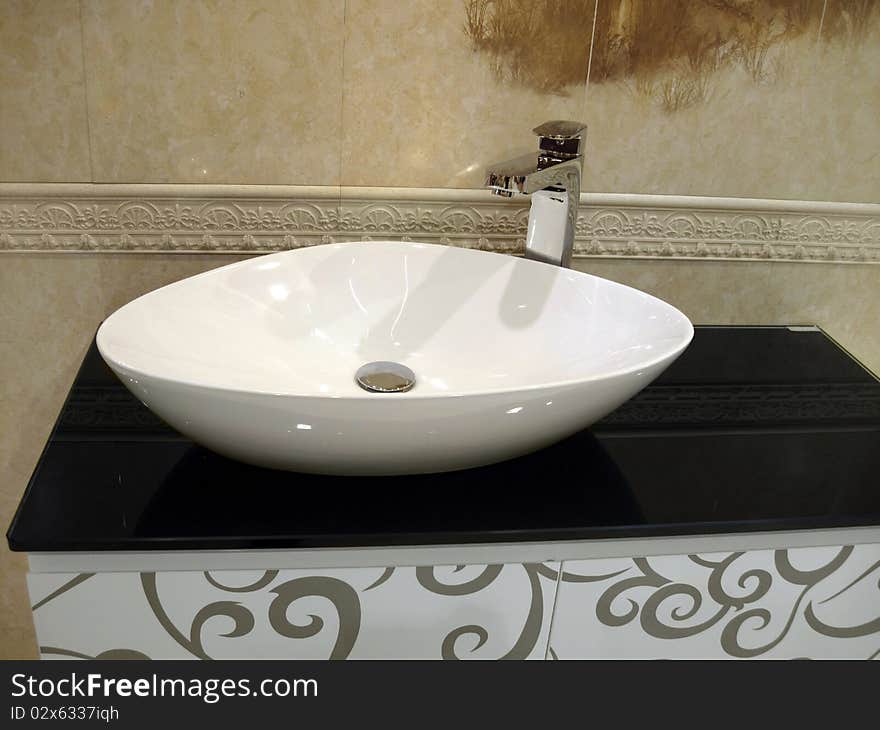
x=549, y=228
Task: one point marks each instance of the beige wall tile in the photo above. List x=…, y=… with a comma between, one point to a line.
x=843, y=299
x=784, y=118
x=246, y=91
x=43, y=132
x=422, y=108
x=708, y=292
x=237, y=91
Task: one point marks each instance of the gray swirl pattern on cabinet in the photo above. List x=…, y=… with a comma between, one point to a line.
x=763, y=603
x=423, y=612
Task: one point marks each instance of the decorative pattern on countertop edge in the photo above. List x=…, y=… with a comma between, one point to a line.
x=242, y=219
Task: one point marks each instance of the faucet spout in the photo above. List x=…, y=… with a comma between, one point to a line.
x=552, y=175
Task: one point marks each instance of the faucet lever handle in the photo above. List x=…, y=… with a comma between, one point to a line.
x=560, y=137
x=560, y=129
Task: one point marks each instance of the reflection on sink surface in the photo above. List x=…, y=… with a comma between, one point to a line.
x=257, y=360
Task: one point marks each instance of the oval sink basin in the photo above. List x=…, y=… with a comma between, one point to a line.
x=486, y=356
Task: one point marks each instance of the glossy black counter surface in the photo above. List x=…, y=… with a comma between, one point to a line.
x=753, y=428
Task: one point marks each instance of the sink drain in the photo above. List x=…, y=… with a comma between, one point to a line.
x=385, y=377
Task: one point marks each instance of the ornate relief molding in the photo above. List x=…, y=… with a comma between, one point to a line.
x=254, y=219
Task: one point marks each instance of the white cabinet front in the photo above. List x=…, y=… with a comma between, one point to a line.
x=453, y=612
x=817, y=602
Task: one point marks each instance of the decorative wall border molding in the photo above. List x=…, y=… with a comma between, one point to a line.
x=257, y=218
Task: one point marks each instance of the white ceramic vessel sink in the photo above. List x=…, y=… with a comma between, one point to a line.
x=257, y=360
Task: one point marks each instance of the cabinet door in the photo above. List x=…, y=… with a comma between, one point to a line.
x=821, y=602
x=454, y=612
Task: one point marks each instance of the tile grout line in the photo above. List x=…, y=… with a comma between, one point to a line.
x=342, y=109
x=82, y=48
x=590, y=56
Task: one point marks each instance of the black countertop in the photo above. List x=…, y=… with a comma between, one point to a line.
x=752, y=429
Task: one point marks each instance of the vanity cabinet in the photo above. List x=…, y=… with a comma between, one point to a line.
x=472, y=611
x=728, y=510
x=814, y=602
x=803, y=602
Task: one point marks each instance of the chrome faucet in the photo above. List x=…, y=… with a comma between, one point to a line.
x=552, y=176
